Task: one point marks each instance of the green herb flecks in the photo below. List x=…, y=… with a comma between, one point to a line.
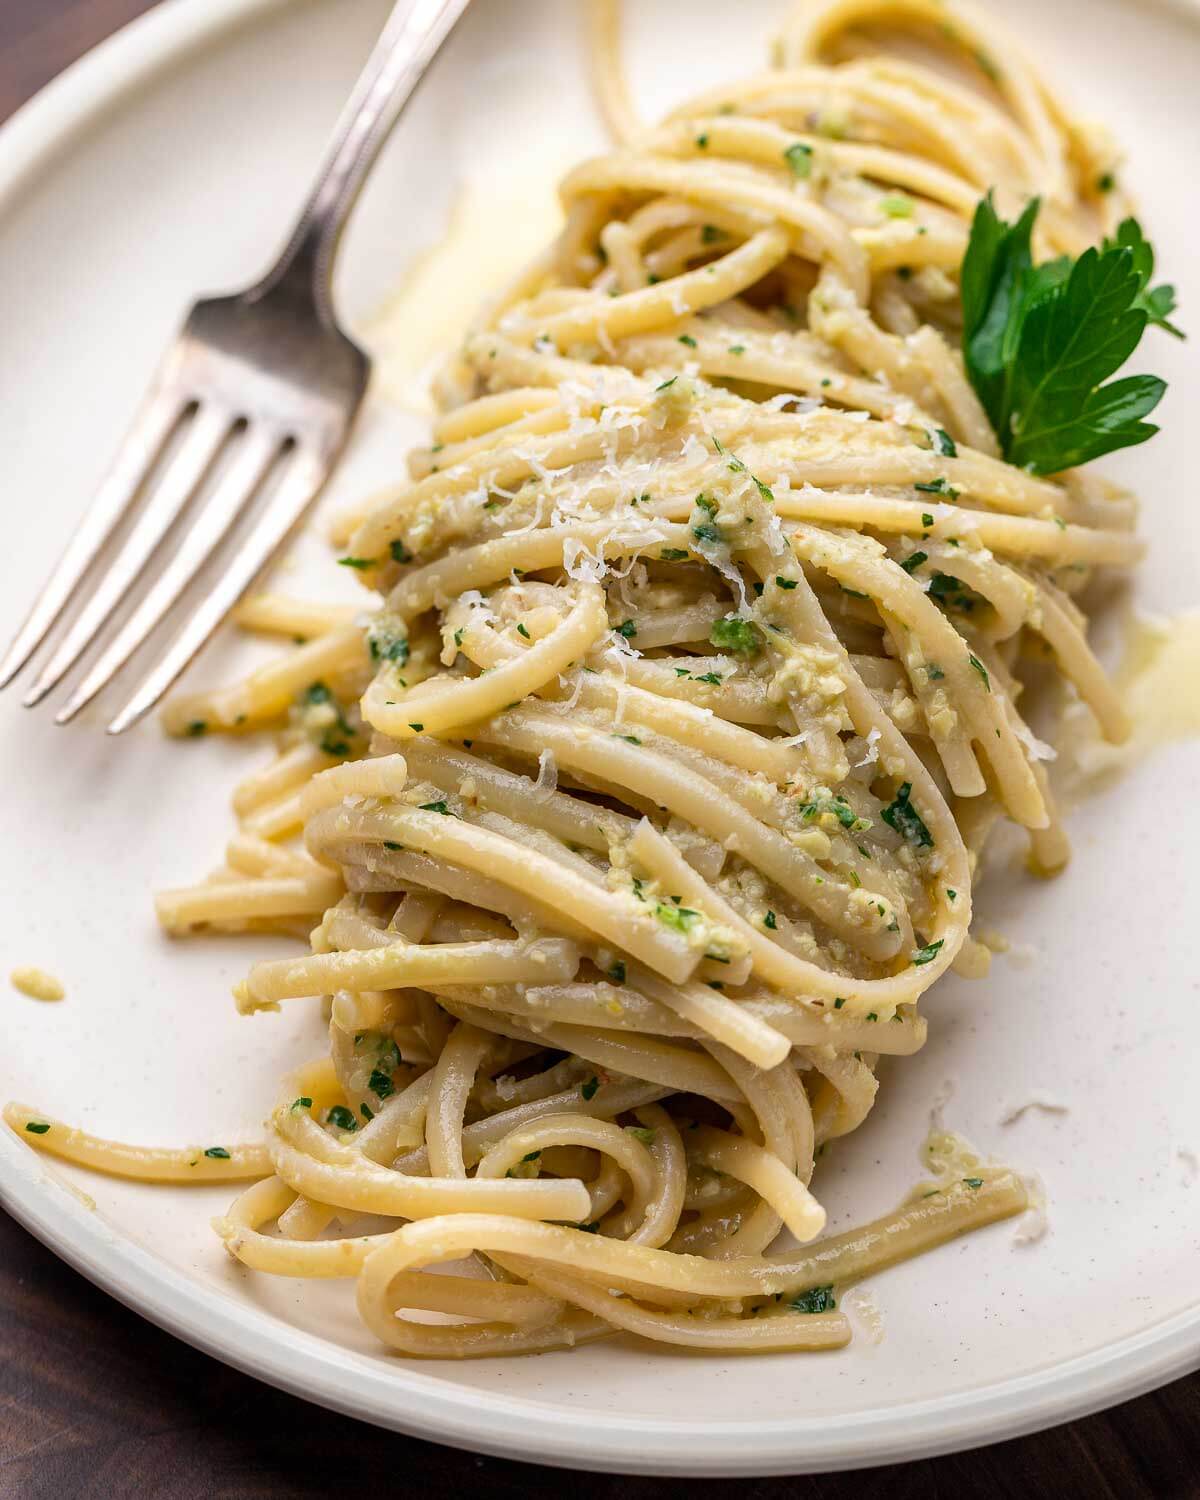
x=385, y=643
x=818, y=1299
x=979, y=667
x=827, y=805
x=901, y=815
x=737, y=635
x=953, y=593
x=799, y=158
x=680, y=918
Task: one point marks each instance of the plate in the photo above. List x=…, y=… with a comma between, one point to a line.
x=168, y=162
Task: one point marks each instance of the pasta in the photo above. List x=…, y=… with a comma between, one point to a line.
x=650, y=799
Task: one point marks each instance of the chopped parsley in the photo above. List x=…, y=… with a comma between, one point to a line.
x=817, y=1299
x=770, y=922
x=686, y=338
x=981, y=669
x=928, y=953
x=380, y=1083
x=628, y=629
x=617, y=972
x=385, y=644
x=359, y=564
x=217, y=1153
x=522, y=631
x=341, y=1118
x=681, y=918
x=913, y=561
x=943, y=443
x=838, y=807
x=37, y=1127
x=737, y=635
x=672, y=554
x=973, y=1182
x=901, y=815
x=946, y=589
x=938, y=486
x=399, y=551
x=303, y=1102
x=799, y=157
x=785, y=583
x=588, y=1089
x=196, y=728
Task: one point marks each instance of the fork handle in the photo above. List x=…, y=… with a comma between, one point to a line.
x=414, y=32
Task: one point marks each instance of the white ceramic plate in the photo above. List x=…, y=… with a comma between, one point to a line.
x=166, y=163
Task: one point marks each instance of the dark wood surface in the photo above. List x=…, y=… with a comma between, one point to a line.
x=95, y=1401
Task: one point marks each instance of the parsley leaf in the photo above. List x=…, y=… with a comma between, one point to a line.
x=1157, y=302
x=1040, y=342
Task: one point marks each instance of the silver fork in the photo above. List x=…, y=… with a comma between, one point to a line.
x=265, y=379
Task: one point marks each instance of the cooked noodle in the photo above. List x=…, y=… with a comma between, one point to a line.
x=652, y=804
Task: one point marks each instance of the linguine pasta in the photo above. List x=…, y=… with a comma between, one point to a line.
x=649, y=802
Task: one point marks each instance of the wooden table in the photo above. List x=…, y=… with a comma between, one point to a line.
x=94, y=1401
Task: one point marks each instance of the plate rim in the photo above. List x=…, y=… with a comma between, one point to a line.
x=400, y=1397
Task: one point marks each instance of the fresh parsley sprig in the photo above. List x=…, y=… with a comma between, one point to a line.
x=1039, y=342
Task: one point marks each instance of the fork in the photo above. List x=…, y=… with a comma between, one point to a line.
x=262, y=384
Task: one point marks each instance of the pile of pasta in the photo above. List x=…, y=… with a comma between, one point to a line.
x=648, y=802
